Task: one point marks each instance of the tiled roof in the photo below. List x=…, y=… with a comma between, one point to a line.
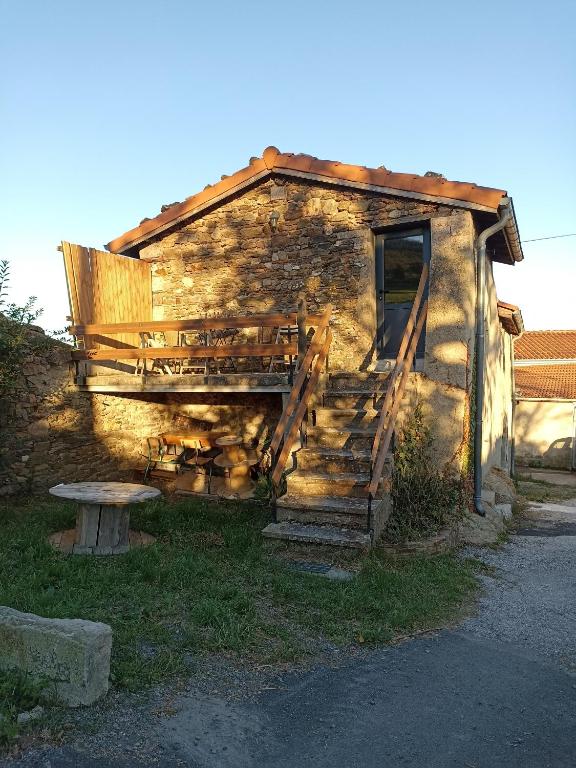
x=510, y=317
x=547, y=381
x=306, y=166
x=546, y=345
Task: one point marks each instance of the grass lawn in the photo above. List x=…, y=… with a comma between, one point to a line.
x=541, y=490
x=210, y=586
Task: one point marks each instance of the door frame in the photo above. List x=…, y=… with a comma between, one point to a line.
x=380, y=237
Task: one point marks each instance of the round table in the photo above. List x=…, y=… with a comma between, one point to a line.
x=103, y=518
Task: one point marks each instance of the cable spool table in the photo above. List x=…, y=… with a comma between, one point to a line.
x=103, y=518
x=236, y=463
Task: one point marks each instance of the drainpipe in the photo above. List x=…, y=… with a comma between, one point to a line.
x=573, y=462
x=481, y=347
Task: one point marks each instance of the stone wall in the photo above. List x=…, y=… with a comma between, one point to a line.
x=51, y=432
x=229, y=261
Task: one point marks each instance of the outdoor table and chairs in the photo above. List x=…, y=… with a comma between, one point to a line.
x=219, y=337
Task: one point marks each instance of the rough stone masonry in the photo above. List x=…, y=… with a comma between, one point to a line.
x=73, y=655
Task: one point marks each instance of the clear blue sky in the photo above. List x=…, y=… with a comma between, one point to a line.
x=110, y=109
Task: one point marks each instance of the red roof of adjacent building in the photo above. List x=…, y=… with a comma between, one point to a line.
x=546, y=345
x=305, y=166
x=547, y=381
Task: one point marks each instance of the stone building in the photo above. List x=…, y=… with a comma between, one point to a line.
x=290, y=227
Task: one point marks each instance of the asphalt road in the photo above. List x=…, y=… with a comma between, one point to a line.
x=498, y=691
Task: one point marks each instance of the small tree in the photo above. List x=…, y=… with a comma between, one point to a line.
x=424, y=499
x=15, y=324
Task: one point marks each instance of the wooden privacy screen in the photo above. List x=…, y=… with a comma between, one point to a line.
x=107, y=288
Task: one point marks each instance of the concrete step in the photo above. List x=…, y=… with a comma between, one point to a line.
x=338, y=417
x=352, y=398
x=317, y=534
x=358, y=438
x=333, y=460
x=349, y=512
x=307, y=483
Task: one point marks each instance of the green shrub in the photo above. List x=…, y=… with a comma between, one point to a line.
x=424, y=499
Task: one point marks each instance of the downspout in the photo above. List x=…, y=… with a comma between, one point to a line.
x=573, y=462
x=481, y=348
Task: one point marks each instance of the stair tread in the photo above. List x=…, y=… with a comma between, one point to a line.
x=315, y=474
x=341, y=453
x=317, y=534
x=350, y=504
x=353, y=428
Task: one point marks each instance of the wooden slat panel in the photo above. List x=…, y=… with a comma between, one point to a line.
x=162, y=353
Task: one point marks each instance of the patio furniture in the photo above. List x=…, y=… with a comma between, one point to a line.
x=283, y=334
x=207, y=437
x=155, y=339
x=193, y=460
x=103, y=518
x=191, y=365
x=158, y=453
x=236, y=463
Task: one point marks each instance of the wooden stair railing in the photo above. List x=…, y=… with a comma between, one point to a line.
x=298, y=401
x=397, y=386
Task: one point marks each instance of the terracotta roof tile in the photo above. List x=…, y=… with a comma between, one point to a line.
x=546, y=345
x=274, y=161
x=546, y=381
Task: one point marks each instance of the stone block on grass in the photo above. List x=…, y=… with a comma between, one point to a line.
x=73, y=655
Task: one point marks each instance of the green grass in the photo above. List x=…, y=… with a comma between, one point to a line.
x=18, y=693
x=541, y=490
x=209, y=586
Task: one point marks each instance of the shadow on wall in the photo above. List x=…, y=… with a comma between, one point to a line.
x=545, y=433
x=51, y=432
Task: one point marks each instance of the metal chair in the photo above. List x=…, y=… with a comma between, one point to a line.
x=284, y=334
x=157, y=453
x=194, y=365
x=155, y=339
x=196, y=462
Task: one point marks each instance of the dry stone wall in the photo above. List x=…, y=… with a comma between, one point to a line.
x=52, y=432
x=230, y=261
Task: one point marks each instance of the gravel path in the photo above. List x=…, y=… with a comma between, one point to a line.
x=500, y=690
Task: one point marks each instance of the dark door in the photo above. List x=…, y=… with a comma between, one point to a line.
x=399, y=260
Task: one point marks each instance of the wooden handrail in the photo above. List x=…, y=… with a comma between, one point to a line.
x=313, y=349
x=192, y=352
x=301, y=408
x=297, y=405
x=393, y=378
x=397, y=384
x=193, y=324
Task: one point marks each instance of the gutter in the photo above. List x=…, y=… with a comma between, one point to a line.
x=506, y=216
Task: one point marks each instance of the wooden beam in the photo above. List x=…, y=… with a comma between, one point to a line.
x=192, y=324
x=181, y=353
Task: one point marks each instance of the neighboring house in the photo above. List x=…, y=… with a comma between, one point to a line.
x=291, y=226
x=545, y=418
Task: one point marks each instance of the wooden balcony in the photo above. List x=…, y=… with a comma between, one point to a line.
x=253, y=353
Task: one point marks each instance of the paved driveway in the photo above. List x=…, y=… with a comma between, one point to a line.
x=500, y=690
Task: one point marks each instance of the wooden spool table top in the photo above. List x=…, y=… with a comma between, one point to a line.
x=105, y=493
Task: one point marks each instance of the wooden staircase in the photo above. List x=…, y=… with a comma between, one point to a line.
x=339, y=491
x=329, y=484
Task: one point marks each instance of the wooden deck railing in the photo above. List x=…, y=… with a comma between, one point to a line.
x=304, y=385
x=397, y=385
x=111, y=349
